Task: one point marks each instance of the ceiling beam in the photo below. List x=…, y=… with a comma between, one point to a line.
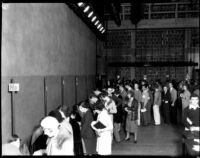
x=152, y=64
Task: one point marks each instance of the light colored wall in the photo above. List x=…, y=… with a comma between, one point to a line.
x=42, y=41
x=45, y=39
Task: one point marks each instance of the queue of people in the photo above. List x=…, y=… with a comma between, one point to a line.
x=90, y=127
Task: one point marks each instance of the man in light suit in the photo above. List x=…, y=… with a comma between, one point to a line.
x=173, y=110
x=185, y=97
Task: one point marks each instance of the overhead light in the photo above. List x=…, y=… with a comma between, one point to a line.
x=90, y=14
x=96, y=22
x=80, y=4
x=101, y=29
x=94, y=18
x=86, y=9
x=98, y=26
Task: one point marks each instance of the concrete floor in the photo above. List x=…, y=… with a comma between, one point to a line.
x=164, y=140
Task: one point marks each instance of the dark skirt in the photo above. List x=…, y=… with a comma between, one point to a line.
x=131, y=124
x=90, y=145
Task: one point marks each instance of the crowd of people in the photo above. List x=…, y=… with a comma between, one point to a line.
x=91, y=126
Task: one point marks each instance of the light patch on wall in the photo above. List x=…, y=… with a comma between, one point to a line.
x=5, y=6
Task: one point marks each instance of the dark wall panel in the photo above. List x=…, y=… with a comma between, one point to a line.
x=28, y=105
x=90, y=84
x=5, y=109
x=53, y=84
x=69, y=90
x=81, y=88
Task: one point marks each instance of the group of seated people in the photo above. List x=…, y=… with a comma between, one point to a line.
x=89, y=128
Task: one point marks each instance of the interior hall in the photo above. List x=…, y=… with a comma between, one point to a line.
x=100, y=78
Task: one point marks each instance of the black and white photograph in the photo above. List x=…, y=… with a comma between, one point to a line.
x=100, y=78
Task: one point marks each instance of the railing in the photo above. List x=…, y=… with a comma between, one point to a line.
x=161, y=10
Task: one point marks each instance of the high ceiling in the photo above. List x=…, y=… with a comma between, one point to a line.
x=113, y=8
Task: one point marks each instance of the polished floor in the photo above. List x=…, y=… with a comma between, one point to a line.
x=164, y=140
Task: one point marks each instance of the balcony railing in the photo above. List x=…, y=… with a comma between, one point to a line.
x=161, y=10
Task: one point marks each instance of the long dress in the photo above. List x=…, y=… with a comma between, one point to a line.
x=104, y=140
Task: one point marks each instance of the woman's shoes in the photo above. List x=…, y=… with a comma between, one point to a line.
x=135, y=141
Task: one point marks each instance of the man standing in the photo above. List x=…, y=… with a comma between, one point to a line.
x=138, y=97
x=185, y=97
x=173, y=93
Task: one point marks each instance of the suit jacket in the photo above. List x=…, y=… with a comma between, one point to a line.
x=86, y=129
x=166, y=98
x=133, y=109
x=76, y=130
x=150, y=101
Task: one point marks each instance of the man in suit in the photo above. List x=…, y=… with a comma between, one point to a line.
x=173, y=93
x=87, y=133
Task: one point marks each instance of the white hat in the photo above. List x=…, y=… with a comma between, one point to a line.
x=49, y=122
x=97, y=92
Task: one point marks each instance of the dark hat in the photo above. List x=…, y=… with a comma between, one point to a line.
x=85, y=105
x=98, y=106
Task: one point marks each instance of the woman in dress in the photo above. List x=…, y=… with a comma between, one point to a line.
x=132, y=115
x=104, y=135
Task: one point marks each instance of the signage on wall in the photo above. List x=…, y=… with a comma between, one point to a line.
x=13, y=87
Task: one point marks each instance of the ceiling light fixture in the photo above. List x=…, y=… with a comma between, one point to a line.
x=94, y=18
x=80, y=4
x=101, y=29
x=96, y=22
x=91, y=13
x=86, y=9
x=98, y=26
